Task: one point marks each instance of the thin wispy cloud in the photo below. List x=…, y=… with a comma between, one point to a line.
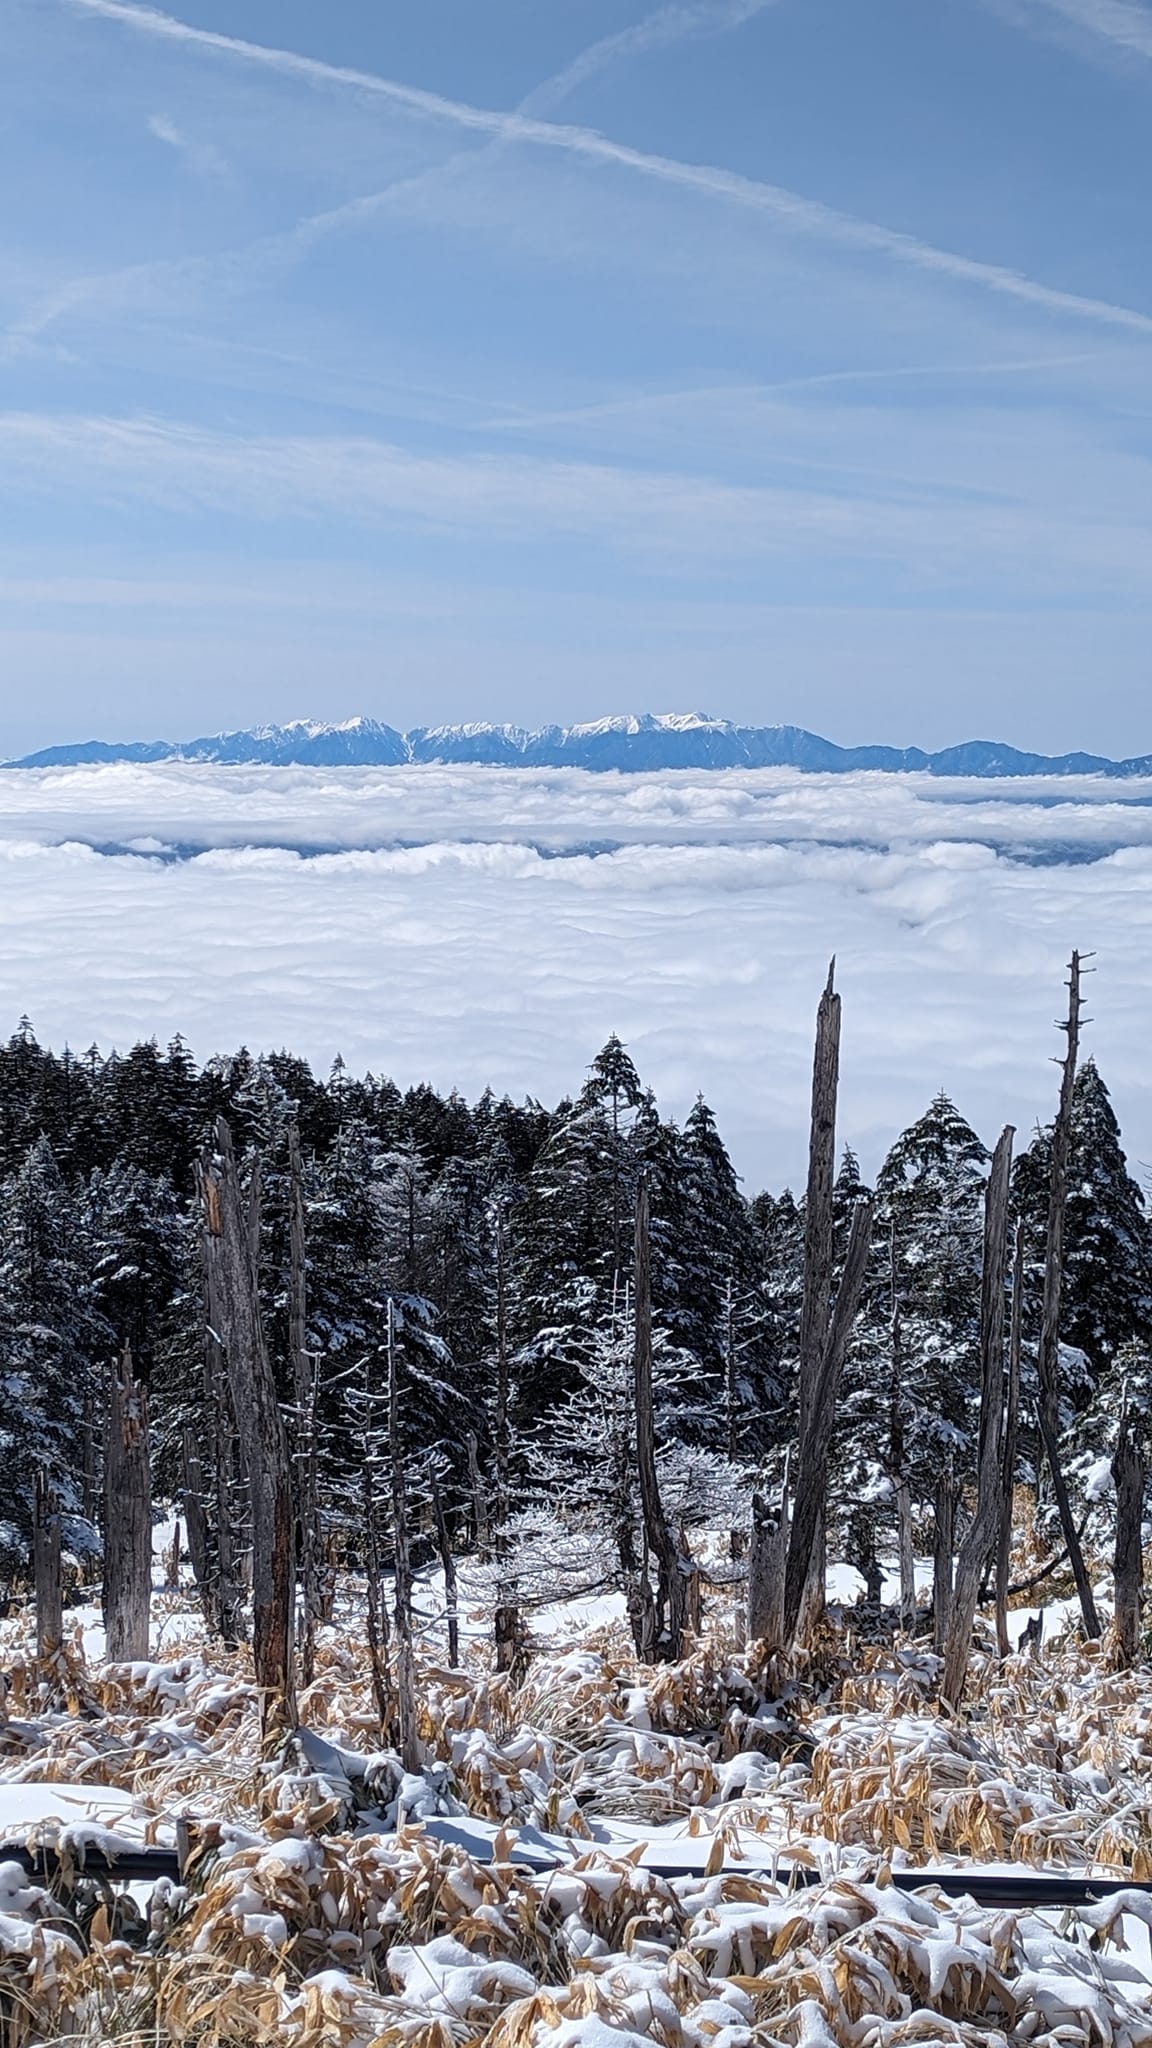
x=201, y=156
x=791, y=211
x=659, y=30
x=813, y=509
x=1122, y=23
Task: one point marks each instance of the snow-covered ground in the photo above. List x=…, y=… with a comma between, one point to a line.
x=475, y=927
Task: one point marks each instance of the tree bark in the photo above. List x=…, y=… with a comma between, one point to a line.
x=1130, y=1472
x=227, y=1604
x=309, y=1532
x=1008, y=1458
x=985, y=1524
x=767, y=1562
x=229, y=1236
x=46, y=1572
x=127, y=1519
x=812, y=1476
x=944, y=1543
x=816, y=1303
x=196, y=1524
x=410, y=1752
x=451, y=1588
x=508, y=1625
x=673, y=1569
x=1048, y=1358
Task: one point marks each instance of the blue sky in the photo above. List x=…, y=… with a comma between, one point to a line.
x=549, y=357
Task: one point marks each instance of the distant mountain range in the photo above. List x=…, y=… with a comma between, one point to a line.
x=632, y=743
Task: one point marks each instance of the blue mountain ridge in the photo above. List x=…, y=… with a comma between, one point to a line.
x=630, y=743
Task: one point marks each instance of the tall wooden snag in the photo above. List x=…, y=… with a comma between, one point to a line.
x=805, y=1542
x=983, y=1529
x=46, y=1573
x=229, y=1228
x=410, y=1752
x=772, y=1545
x=1048, y=1357
x=127, y=1518
x=309, y=1534
x=670, y=1609
x=1008, y=1454
x=508, y=1624
x=1130, y=1474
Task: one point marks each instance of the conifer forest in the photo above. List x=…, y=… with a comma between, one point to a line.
x=476, y=1572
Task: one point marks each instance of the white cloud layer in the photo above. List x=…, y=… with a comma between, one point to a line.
x=445, y=941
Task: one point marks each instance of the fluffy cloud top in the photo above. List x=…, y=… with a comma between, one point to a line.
x=479, y=928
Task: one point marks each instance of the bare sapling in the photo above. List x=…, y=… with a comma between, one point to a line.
x=1048, y=1356
x=983, y=1529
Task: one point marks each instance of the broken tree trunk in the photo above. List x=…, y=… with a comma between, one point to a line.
x=229, y=1235
x=767, y=1560
x=46, y=1572
x=984, y=1527
x=309, y=1532
x=410, y=1752
x=1130, y=1472
x=812, y=1475
x=508, y=1625
x=943, y=1547
x=226, y=1602
x=816, y=1303
x=1048, y=1357
x=673, y=1569
x=196, y=1524
x=127, y=1518
x=451, y=1586
x=1008, y=1453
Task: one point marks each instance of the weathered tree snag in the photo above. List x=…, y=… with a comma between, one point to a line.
x=765, y=1602
x=448, y=1564
x=410, y=1752
x=229, y=1236
x=673, y=1568
x=942, y=1553
x=508, y=1625
x=309, y=1532
x=226, y=1602
x=816, y=1444
x=46, y=1573
x=1008, y=1455
x=816, y=1303
x=984, y=1527
x=127, y=1518
x=901, y=1490
x=767, y=1560
x=1048, y=1357
x=1130, y=1473
x=196, y=1523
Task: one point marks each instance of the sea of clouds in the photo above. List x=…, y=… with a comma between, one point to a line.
x=482, y=927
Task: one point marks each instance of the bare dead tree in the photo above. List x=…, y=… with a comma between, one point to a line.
x=670, y=1608
x=764, y=1601
x=225, y=1602
x=46, y=1573
x=1008, y=1456
x=508, y=1622
x=1130, y=1474
x=448, y=1565
x=309, y=1532
x=196, y=1523
x=127, y=1518
x=767, y=1562
x=1048, y=1357
x=812, y=1475
x=410, y=1752
x=230, y=1238
x=984, y=1526
x=943, y=1550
